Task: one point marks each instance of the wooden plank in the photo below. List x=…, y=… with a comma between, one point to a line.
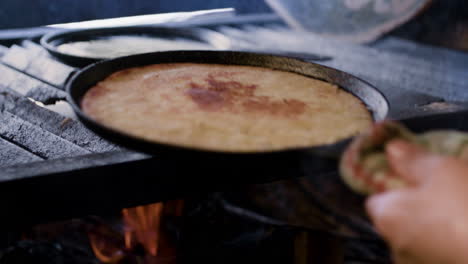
x=3, y=50
x=28, y=44
x=78, y=186
x=36, y=140
x=29, y=87
x=38, y=64
x=64, y=165
x=17, y=58
x=92, y=184
x=63, y=108
x=45, y=94
x=24, y=82
x=66, y=128
x=8, y=76
x=11, y=154
x=46, y=67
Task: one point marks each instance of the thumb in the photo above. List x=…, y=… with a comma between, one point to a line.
x=410, y=162
x=387, y=210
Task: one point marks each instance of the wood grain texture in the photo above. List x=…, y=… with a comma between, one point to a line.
x=66, y=128
x=35, y=62
x=36, y=140
x=17, y=57
x=67, y=164
x=3, y=49
x=29, y=87
x=11, y=155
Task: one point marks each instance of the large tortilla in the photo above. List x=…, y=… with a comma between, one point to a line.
x=225, y=108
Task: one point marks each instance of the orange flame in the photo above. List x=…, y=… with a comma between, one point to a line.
x=104, y=252
x=106, y=243
x=143, y=226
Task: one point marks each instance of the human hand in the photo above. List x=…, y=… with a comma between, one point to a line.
x=426, y=222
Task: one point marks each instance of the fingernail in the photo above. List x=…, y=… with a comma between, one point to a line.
x=400, y=150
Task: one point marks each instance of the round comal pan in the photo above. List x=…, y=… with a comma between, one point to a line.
x=52, y=41
x=274, y=162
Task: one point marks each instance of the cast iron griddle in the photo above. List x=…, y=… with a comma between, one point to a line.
x=53, y=40
x=87, y=78
x=46, y=175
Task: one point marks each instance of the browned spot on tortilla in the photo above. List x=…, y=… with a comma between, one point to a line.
x=217, y=95
x=91, y=95
x=205, y=98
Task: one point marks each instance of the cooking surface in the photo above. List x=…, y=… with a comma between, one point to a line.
x=48, y=158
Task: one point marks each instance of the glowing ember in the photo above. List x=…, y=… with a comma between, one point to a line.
x=105, y=251
x=143, y=226
x=143, y=229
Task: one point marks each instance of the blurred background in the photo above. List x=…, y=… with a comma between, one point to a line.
x=27, y=13
x=444, y=23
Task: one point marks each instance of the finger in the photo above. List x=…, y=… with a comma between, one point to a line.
x=388, y=212
x=410, y=162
